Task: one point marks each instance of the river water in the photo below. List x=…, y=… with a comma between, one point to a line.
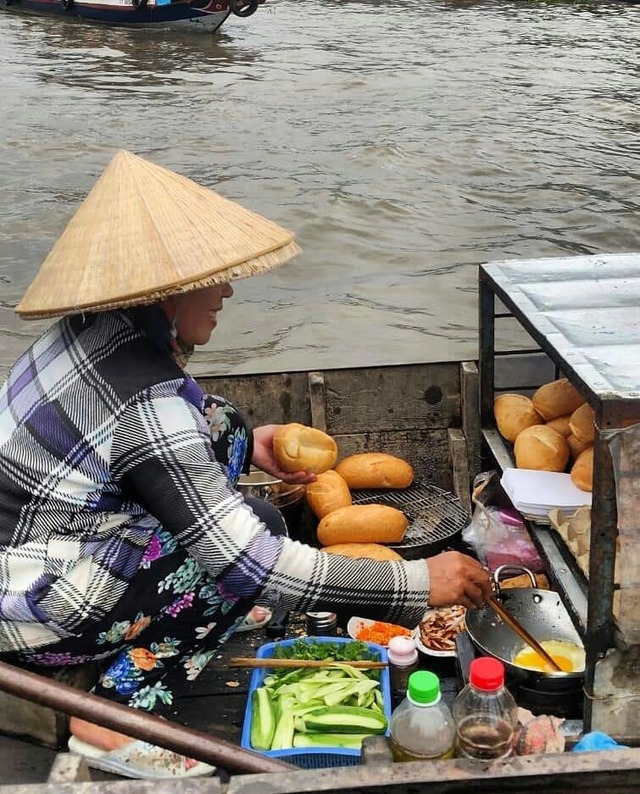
x=404, y=143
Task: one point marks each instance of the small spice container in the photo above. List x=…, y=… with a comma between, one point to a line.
x=403, y=660
x=321, y=624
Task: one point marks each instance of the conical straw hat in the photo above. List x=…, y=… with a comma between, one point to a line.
x=143, y=233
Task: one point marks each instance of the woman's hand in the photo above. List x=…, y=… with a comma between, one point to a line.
x=457, y=579
x=264, y=459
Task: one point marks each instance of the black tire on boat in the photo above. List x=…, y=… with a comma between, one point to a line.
x=244, y=11
x=138, y=3
x=67, y=4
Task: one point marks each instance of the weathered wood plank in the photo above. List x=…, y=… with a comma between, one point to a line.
x=460, y=468
x=426, y=450
x=318, y=400
x=605, y=772
x=69, y=768
x=263, y=399
x=357, y=400
x=404, y=410
x=393, y=398
x=470, y=418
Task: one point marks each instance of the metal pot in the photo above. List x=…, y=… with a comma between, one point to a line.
x=257, y=483
x=287, y=498
x=544, y=616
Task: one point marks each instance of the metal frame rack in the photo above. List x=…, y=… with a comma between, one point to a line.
x=552, y=301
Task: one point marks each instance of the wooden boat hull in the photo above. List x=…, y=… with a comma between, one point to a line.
x=198, y=15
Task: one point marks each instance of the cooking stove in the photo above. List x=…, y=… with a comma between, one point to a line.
x=541, y=698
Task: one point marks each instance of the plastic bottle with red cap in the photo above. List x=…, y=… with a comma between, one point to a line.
x=485, y=713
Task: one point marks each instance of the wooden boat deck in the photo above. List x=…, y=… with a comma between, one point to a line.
x=217, y=704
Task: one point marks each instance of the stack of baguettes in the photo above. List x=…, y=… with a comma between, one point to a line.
x=345, y=528
x=551, y=431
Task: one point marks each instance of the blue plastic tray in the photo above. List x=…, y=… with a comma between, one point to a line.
x=312, y=757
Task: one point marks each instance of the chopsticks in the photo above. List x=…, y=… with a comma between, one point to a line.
x=241, y=661
x=520, y=630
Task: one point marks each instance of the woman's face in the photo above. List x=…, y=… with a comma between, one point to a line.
x=195, y=312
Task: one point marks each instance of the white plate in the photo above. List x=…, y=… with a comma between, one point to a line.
x=424, y=648
x=355, y=624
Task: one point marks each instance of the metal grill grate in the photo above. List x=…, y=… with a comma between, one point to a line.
x=435, y=516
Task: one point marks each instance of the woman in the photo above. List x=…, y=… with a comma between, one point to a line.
x=124, y=539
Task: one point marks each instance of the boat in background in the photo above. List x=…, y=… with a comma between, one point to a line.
x=202, y=15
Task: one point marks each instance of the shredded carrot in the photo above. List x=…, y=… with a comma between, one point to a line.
x=380, y=632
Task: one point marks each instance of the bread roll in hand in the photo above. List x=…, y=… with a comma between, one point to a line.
x=297, y=447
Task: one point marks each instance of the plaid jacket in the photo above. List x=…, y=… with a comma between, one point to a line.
x=101, y=438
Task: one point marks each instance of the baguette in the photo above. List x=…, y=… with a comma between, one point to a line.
x=327, y=493
x=542, y=583
x=561, y=425
x=375, y=470
x=582, y=470
x=556, y=399
x=582, y=423
x=514, y=413
x=371, y=551
x=297, y=447
x=373, y=523
x=576, y=447
x=542, y=448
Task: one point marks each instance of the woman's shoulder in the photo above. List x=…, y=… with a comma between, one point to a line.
x=123, y=356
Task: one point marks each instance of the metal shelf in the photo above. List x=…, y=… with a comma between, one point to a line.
x=565, y=575
x=582, y=314
x=563, y=569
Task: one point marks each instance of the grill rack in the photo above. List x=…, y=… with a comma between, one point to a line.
x=435, y=516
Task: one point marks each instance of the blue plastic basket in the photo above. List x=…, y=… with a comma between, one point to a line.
x=312, y=757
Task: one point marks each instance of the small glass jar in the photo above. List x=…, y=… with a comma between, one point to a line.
x=321, y=624
x=402, y=655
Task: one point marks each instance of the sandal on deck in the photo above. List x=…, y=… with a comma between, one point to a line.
x=256, y=619
x=139, y=760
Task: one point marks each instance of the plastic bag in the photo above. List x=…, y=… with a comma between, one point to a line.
x=597, y=740
x=496, y=532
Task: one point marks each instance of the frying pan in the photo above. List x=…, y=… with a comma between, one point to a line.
x=542, y=614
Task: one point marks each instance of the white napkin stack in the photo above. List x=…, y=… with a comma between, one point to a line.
x=535, y=493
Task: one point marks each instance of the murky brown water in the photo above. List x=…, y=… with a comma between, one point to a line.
x=404, y=143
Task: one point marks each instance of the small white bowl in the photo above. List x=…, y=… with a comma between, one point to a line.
x=425, y=648
x=355, y=625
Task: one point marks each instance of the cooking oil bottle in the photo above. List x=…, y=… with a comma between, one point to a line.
x=485, y=713
x=421, y=727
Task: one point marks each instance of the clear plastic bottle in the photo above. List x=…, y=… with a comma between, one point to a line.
x=485, y=713
x=421, y=727
x=402, y=655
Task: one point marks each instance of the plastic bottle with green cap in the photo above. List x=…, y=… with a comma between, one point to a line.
x=421, y=727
